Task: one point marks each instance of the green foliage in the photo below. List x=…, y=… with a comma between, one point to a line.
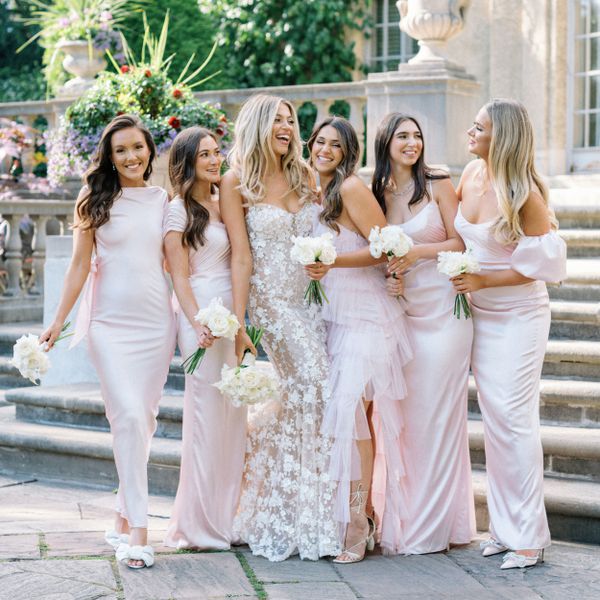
x=287, y=42
x=24, y=83
x=190, y=32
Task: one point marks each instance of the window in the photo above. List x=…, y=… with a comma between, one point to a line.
x=587, y=74
x=390, y=45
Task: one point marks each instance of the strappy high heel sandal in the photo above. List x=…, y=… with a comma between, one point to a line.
x=358, y=501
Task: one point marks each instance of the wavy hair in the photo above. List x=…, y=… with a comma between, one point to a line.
x=252, y=151
x=332, y=197
x=383, y=165
x=511, y=165
x=182, y=174
x=102, y=180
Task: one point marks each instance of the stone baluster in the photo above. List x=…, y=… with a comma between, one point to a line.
x=65, y=224
x=357, y=120
x=39, y=253
x=322, y=108
x=13, y=259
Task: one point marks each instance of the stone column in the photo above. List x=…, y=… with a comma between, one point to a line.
x=436, y=91
x=13, y=258
x=39, y=252
x=68, y=366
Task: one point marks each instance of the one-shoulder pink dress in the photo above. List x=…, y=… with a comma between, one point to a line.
x=435, y=445
x=511, y=326
x=127, y=316
x=214, y=431
x=367, y=347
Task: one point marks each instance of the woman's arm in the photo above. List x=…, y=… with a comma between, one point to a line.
x=232, y=213
x=177, y=256
x=79, y=268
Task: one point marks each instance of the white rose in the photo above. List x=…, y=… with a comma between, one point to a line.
x=303, y=250
x=328, y=255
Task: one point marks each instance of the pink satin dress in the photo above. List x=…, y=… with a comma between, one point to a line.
x=214, y=431
x=367, y=347
x=435, y=446
x=511, y=326
x=127, y=316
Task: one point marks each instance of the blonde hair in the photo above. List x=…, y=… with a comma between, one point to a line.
x=252, y=151
x=511, y=167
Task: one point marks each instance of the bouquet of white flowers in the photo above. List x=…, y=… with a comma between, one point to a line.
x=220, y=321
x=454, y=264
x=30, y=357
x=248, y=384
x=389, y=240
x=310, y=250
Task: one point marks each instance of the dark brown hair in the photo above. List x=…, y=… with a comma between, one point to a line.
x=383, y=165
x=101, y=178
x=332, y=197
x=182, y=173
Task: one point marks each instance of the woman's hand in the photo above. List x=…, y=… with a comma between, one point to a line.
x=243, y=343
x=467, y=282
x=51, y=334
x=402, y=264
x=395, y=285
x=317, y=270
x=204, y=337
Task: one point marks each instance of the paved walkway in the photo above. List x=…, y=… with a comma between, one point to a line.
x=51, y=548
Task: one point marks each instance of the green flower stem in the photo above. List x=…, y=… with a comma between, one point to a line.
x=190, y=364
x=461, y=302
x=315, y=294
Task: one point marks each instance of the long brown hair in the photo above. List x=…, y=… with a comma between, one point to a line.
x=332, y=197
x=383, y=165
x=101, y=178
x=182, y=173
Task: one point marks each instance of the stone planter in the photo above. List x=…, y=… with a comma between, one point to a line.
x=80, y=63
x=433, y=23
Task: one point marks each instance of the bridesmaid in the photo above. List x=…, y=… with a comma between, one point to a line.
x=367, y=346
x=504, y=217
x=214, y=431
x=440, y=509
x=125, y=312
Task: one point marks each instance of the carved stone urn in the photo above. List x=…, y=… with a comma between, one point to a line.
x=433, y=23
x=81, y=63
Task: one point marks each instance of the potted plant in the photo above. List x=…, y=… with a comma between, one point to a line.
x=76, y=35
x=166, y=105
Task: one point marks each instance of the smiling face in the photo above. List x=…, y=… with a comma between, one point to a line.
x=282, y=130
x=130, y=155
x=326, y=153
x=406, y=145
x=208, y=161
x=480, y=135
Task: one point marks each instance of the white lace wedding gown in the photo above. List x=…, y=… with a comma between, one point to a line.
x=287, y=499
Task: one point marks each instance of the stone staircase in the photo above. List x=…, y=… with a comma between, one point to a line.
x=61, y=432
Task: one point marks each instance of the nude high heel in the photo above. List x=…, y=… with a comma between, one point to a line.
x=514, y=560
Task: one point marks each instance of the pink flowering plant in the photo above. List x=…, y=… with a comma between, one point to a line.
x=143, y=88
x=14, y=138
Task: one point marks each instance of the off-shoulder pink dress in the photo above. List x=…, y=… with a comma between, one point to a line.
x=214, y=431
x=435, y=445
x=367, y=347
x=511, y=326
x=127, y=316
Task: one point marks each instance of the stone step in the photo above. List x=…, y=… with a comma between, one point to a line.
x=579, y=359
x=576, y=207
x=82, y=456
x=575, y=320
x=573, y=180
x=81, y=405
x=569, y=452
x=573, y=508
x=10, y=376
x=581, y=242
x=11, y=332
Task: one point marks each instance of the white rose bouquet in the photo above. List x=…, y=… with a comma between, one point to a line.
x=310, y=250
x=248, y=384
x=454, y=264
x=220, y=321
x=389, y=240
x=30, y=357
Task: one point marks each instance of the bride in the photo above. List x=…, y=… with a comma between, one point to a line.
x=266, y=198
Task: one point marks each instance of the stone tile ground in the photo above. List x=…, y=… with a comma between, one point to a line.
x=51, y=548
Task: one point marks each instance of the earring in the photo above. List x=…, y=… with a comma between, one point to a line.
x=113, y=166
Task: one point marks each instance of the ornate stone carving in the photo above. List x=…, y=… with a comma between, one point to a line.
x=78, y=62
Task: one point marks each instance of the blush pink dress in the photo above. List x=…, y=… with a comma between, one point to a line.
x=214, y=431
x=511, y=326
x=127, y=316
x=435, y=444
x=367, y=347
